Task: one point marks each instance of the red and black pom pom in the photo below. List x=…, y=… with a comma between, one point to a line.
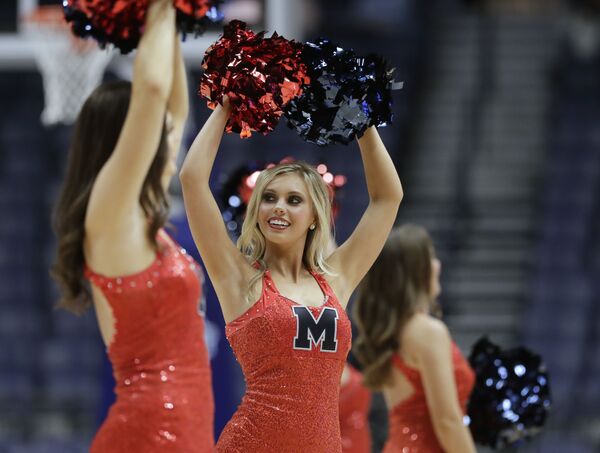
x=121, y=22
x=117, y=22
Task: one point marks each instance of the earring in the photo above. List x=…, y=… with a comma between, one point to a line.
x=312, y=227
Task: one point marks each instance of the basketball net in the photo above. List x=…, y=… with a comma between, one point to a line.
x=71, y=67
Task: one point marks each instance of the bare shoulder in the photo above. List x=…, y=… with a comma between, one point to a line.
x=423, y=333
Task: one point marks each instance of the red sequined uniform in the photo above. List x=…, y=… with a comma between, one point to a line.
x=159, y=358
x=411, y=430
x=292, y=394
x=355, y=402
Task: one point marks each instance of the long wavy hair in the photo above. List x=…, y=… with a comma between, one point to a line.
x=252, y=242
x=95, y=136
x=388, y=297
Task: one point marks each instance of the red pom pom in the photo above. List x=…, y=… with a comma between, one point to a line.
x=259, y=75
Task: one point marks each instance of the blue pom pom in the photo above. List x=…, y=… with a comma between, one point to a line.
x=347, y=94
x=511, y=398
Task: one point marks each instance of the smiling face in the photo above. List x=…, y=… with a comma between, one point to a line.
x=285, y=211
x=287, y=199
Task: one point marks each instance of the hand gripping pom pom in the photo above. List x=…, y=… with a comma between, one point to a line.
x=511, y=397
x=347, y=94
x=259, y=75
x=121, y=22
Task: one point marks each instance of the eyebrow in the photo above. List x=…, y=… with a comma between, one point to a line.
x=291, y=192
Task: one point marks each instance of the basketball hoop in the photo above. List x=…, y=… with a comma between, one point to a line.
x=71, y=67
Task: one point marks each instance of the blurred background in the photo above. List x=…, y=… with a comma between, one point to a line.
x=496, y=137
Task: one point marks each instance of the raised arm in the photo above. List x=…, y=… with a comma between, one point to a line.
x=114, y=201
x=228, y=270
x=179, y=102
x=433, y=351
x=354, y=258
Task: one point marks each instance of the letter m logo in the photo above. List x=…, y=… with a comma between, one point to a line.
x=321, y=332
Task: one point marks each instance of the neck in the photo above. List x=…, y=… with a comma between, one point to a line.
x=285, y=261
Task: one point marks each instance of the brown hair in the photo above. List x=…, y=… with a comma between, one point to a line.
x=95, y=136
x=388, y=298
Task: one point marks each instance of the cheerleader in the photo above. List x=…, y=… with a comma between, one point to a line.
x=408, y=353
x=282, y=296
x=144, y=287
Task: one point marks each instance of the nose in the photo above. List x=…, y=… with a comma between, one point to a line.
x=278, y=210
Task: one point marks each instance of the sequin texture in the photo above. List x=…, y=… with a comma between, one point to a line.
x=355, y=402
x=292, y=396
x=159, y=358
x=411, y=429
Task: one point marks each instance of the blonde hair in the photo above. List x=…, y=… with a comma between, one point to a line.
x=252, y=242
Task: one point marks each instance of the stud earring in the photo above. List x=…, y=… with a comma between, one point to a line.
x=312, y=227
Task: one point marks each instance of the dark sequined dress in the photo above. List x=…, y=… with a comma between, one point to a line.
x=291, y=404
x=159, y=357
x=411, y=429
